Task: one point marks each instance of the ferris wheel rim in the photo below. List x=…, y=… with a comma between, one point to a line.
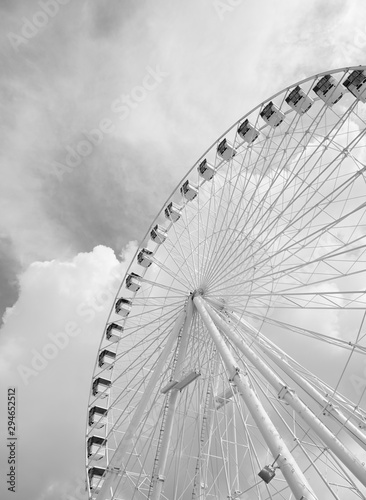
x=215, y=143
x=222, y=136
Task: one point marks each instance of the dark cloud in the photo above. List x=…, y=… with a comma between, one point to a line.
x=109, y=16
x=111, y=198
x=10, y=5
x=9, y=267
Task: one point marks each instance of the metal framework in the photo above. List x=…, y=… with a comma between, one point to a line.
x=257, y=258
x=281, y=454
x=223, y=333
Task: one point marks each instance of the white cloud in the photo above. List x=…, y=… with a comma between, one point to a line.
x=51, y=363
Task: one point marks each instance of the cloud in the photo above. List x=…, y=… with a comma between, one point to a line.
x=314, y=36
x=9, y=267
x=54, y=96
x=109, y=18
x=56, y=89
x=48, y=348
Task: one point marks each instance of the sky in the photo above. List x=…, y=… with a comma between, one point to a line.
x=105, y=105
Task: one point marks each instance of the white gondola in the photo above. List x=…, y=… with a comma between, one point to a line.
x=206, y=170
x=328, y=90
x=188, y=191
x=248, y=132
x=106, y=359
x=144, y=257
x=356, y=84
x=133, y=282
x=101, y=387
x=173, y=212
x=158, y=234
x=97, y=417
x=299, y=101
x=95, y=478
x=226, y=150
x=96, y=447
x=114, y=332
x=123, y=307
x=272, y=115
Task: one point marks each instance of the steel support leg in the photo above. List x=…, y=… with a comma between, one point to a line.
x=289, y=395
x=112, y=479
x=168, y=428
x=278, y=358
x=297, y=482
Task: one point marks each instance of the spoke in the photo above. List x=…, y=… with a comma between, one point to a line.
x=269, y=250
x=279, y=450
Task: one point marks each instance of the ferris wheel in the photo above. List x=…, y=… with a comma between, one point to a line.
x=233, y=362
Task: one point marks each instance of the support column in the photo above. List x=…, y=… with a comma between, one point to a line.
x=168, y=427
x=233, y=451
x=112, y=479
x=205, y=431
x=354, y=431
x=289, y=395
x=298, y=484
